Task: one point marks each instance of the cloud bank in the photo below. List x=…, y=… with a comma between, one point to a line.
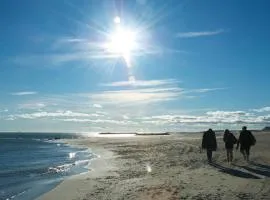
x=147, y=105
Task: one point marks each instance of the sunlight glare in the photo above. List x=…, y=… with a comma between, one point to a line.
x=148, y=168
x=122, y=42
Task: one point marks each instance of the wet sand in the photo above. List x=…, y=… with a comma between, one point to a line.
x=166, y=167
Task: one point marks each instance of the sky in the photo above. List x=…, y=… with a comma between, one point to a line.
x=194, y=65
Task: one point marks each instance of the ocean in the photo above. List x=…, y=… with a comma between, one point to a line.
x=32, y=164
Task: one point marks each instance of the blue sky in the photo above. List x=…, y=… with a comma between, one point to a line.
x=197, y=64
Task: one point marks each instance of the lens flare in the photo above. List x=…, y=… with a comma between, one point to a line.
x=148, y=168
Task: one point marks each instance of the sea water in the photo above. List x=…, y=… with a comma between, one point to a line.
x=32, y=164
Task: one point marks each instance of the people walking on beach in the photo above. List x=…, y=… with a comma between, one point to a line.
x=246, y=140
x=209, y=143
x=229, y=140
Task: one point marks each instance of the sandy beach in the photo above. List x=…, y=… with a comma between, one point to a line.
x=166, y=167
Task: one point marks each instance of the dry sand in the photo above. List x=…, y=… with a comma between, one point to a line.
x=166, y=167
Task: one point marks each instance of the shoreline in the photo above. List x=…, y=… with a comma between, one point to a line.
x=97, y=167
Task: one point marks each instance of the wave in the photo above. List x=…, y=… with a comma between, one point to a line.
x=67, y=167
x=85, y=153
x=39, y=170
x=60, y=168
x=82, y=162
x=40, y=163
x=16, y=195
x=72, y=155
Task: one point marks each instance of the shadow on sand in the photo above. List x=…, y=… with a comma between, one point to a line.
x=258, y=168
x=266, y=167
x=234, y=172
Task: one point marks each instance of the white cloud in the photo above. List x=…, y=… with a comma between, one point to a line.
x=264, y=109
x=23, y=93
x=37, y=105
x=132, y=108
x=218, y=114
x=71, y=40
x=204, y=90
x=211, y=118
x=136, y=96
x=160, y=93
x=125, y=117
x=97, y=105
x=37, y=115
x=199, y=34
x=134, y=118
x=60, y=58
x=142, y=83
x=100, y=121
x=101, y=113
x=10, y=118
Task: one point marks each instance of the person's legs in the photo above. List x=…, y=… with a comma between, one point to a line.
x=231, y=155
x=247, y=152
x=243, y=151
x=209, y=155
x=228, y=155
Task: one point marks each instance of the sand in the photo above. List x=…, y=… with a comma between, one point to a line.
x=166, y=167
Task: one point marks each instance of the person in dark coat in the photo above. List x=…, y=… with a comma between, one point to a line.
x=246, y=140
x=209, y=143
x=229, y=140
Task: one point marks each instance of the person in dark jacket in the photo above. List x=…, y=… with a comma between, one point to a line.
x=246, y=140
x=209, y=143
x=229, y=140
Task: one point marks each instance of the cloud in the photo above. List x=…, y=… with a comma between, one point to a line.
x=142, y=83
x=97, y=105
x=125, y=117
x=23, y=93
x=60, y=58
x=211, y=118
x=129, y=108
x=136, y=95
x=199, y=34
x=204, y=90
x=264, y=109
x=145, y=92
x=45, y=114
x=71, y=40
x=227, y=113
x=33, y=106
x=146, y=95
x=151, y=117
x=100, y=121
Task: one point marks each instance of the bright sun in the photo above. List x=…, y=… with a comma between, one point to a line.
x=122, y=42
